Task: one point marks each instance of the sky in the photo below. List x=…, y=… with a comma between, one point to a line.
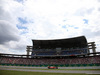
x=24, y=20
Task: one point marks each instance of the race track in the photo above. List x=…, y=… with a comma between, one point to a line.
x=34, y=69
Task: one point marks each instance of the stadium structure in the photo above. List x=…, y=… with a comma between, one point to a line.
x=60, y=47
x=68, y=52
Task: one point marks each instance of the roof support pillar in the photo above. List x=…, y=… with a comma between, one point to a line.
x=91, y=45
x=29, y=49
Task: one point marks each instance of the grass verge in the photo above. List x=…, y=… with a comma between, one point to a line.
x=8, y=72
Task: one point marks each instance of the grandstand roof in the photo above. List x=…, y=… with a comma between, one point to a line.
x=74, y=42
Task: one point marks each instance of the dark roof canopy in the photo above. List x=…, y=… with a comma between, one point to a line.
x=75, y=42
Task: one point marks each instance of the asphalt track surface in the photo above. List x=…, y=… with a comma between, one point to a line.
x=16, y=68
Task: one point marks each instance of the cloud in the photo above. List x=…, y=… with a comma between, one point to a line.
x=98, y=0
x=7, y=32
x=20, y=1
x=4, y=15
x=24, y=20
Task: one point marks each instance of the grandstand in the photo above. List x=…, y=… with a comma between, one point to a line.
x=60, y=47
x=60, y=52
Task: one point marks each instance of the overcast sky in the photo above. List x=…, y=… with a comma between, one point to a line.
x=24, y=20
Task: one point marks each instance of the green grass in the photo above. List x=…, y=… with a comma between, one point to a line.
x=8, y=72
